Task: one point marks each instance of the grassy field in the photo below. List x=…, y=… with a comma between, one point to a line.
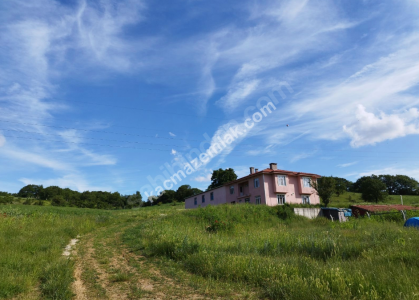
x=228, y=252
x=347, y=199
x=32, y=239
x=250, y=249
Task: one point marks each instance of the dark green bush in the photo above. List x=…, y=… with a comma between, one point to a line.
x=284, y=212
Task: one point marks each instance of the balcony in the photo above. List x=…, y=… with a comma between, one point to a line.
x=243, y=195
x=243, y=190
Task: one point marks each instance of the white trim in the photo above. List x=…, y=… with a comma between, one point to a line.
x=309, y=180
x=285, y=180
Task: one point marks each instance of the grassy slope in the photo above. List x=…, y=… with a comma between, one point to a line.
x=32, y=239
x=258, y=255
x=347, y=199
x=292, y=259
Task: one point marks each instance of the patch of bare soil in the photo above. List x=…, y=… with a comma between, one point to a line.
x=121, y=274
x=78, y=286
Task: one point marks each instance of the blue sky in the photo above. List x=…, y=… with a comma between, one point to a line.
x=102, y=95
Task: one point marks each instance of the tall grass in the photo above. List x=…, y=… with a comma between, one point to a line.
x=286, y=256
x=31, y=243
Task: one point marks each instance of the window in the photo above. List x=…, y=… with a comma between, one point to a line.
x=195, y=202
x=247, y=200
x=256, y=180
x=281, y=199
x=232, y=189
x=257, y=198
x=212, y=196
x=203, y=198
x=306, y=182
x=281, y=180
x=306, y=199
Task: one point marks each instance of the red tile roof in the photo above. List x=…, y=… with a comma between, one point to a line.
x=270, y=171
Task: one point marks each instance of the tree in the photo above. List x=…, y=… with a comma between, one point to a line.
x=342, y=185
x=405, y=185
x=52, y=191
x=185, y=191
x=373, y=189
x=58, y=201
x=166, y=196
x=356, y=187
x=135, y=200
x=325, y=188
x=395, y=184
x=220, y=177
x=31, y=191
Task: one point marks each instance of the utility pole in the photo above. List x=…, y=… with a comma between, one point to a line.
x=401, y=198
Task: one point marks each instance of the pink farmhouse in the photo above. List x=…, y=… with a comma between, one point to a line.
x=268, y=187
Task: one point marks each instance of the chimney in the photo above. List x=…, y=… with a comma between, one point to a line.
x=252, y=170
x=256, y=170
x=273, y=166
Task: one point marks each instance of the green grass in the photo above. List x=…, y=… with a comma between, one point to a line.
x=32, y=239
x=295, y=258
x=241, y=251
x=120, y=276
x=347, y=199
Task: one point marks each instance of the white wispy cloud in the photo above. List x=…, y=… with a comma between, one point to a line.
x=206, y=178
x=35, y=45
x=72, y=181
x=335, y=109
x=370, y=129
x=2, y=140
x=172, y=134
x=300, y=156
x=238, y=93
x=347, y=164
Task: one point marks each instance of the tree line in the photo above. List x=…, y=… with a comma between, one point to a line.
x=373, y=188
x=37, y=194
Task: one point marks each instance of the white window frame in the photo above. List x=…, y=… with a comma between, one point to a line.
x=278, y=196
x=232, y=190
x=306, y=199
x=258, y=200
x=285, y=180
x=256, y=182
x=304, y=182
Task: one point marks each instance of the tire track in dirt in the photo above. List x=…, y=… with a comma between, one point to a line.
x=143, y=282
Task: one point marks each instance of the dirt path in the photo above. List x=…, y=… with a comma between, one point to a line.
x=106, y=269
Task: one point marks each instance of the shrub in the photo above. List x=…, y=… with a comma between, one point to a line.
x=28, y=202
x=285, y=212
x=58, y=201
x=217, y=226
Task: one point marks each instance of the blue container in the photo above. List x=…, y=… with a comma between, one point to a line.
x=412, y=222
